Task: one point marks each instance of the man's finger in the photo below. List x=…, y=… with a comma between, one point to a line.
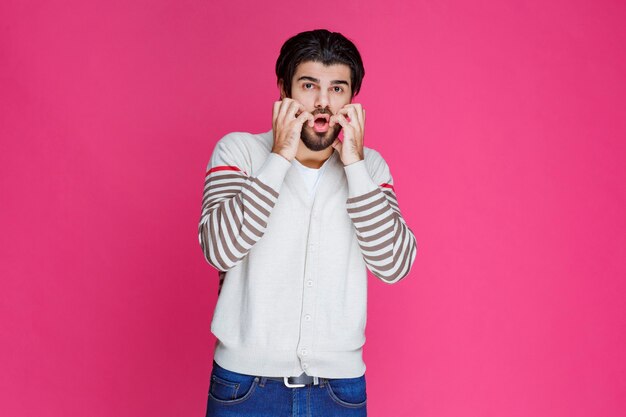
x=284, y=106
x=354, y=117
x=275, y=113
x=339, y=118
x=293, y=109
x=351, y=113
x=360, y=113
x=304, y=116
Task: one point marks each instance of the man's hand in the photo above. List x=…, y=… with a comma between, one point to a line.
x=351, y=149
x=287, y=127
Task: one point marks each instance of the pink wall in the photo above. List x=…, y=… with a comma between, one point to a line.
x=504, y=127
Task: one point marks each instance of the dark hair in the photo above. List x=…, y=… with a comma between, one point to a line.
x=323, y=46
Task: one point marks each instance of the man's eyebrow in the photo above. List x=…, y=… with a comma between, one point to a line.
x=315, y=80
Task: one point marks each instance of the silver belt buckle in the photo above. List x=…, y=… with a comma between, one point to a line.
x=292, y=385
x=286, y=380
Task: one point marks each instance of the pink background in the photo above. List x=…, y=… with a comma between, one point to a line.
x=503, y=124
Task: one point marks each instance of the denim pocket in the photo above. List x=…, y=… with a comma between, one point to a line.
x=229, y=387
x=348, y=392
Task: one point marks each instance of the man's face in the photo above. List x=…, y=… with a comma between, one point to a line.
x=323, y=91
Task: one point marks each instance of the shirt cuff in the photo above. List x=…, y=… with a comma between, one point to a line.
x=359, y=180
x=273, y=171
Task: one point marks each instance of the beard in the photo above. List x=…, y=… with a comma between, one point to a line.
x=318, y=141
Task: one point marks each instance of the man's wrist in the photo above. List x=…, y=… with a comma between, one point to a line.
x=359, y=179
x=278, y=153
x=353, y=161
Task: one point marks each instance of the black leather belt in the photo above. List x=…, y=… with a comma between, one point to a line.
x=296, y=381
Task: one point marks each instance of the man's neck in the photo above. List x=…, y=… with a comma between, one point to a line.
x=313, y=159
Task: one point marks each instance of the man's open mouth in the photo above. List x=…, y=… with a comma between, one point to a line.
x=321, y=122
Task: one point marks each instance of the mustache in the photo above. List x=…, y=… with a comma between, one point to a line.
x=322, y=111
x=316, y=112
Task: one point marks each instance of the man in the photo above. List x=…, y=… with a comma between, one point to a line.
x=292, y=219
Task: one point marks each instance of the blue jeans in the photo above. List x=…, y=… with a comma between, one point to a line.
x=233, y=394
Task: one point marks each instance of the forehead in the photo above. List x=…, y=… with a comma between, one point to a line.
x=323, y=72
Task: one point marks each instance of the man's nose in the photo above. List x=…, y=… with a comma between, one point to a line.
x=322, y=100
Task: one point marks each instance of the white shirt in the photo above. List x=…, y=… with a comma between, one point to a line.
x=310, y=176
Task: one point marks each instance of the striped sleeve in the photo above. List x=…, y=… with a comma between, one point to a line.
x=236, y=206
x=388, y=245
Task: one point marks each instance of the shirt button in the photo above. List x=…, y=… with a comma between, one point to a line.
x=309, y=283
x=307, y=317
x=305, y=365
x=305, y=352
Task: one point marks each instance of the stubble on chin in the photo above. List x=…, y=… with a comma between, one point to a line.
x=316, y=141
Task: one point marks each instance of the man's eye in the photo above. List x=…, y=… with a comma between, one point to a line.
x=306, y=85
x=338, y=89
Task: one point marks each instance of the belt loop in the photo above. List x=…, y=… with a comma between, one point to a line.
x=263, y=380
